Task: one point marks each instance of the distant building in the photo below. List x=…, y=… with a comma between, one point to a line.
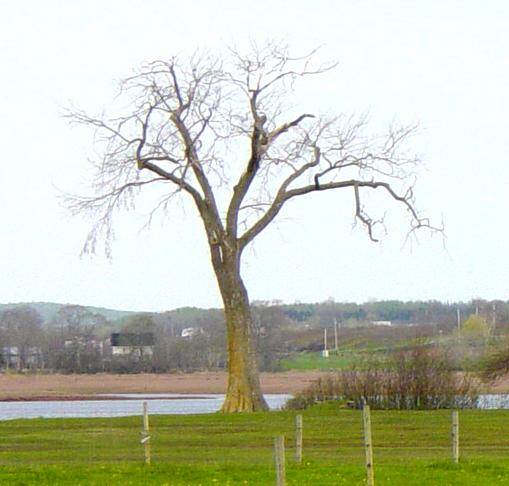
x=381, y=323
x=86, y=343
x=190, y=332
x=132, y=344
x=13, y=358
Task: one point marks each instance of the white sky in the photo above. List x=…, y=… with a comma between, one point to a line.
x=442, y=63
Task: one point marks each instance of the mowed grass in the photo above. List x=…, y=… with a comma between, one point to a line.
x=340, y=360
x=410, y=448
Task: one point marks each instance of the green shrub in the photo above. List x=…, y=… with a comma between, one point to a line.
x=475, y=329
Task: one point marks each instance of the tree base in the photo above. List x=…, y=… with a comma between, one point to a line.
x=235, y=403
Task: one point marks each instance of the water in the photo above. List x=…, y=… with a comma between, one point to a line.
x=167, y=403
x=126, y=404
x=493, y=402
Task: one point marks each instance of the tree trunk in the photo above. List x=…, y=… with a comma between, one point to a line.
x=244, y=392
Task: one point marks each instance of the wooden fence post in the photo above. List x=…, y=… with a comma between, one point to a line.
x=368, y=445
x=298, y=439
x=455, y=437
x=279, y=458
x=145, y=435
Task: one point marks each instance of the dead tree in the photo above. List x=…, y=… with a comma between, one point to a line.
x=206, y=127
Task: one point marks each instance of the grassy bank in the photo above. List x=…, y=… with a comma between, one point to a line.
x=313, y=360
x=410, y=448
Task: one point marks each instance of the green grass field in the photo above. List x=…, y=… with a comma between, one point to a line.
x=410, y=448
x=355, y=353
x=305, y=361
x=344, y=358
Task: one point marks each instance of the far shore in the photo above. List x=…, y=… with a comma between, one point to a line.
x=16, y=387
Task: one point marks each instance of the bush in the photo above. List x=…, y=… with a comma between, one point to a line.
x=496, y=364
x=475, y=329
x=412, y=380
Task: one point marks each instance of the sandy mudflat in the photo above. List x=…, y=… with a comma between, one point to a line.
x=14, y=386
x=499, y=386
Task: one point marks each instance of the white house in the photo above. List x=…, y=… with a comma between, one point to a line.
x=189, y=332
x=381, y=323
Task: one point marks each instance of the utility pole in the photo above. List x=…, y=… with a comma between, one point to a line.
x=493, y=317
x=458, y=314
x=325, y=352
x=335, y=334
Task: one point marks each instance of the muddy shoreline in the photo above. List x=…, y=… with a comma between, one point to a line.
x=36, y=387
x=17, y=387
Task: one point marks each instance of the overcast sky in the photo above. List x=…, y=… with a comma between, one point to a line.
x=444, y=64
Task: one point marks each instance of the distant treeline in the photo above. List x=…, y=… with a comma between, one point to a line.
x=74, y=338
x=396, y=311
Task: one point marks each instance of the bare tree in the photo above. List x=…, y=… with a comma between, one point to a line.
x=220, y=131
x=21, y=328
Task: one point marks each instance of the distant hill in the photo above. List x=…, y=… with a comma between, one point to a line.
x=48, y=310
x=349, y=314
x=182, y=315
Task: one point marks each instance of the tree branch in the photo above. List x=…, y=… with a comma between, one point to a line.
x=186, y=117
x=260, y=143
x=285, y=196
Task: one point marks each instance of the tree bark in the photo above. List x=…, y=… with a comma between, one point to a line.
x=244, y=392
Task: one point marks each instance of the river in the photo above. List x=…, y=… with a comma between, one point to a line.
x=121, y=405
